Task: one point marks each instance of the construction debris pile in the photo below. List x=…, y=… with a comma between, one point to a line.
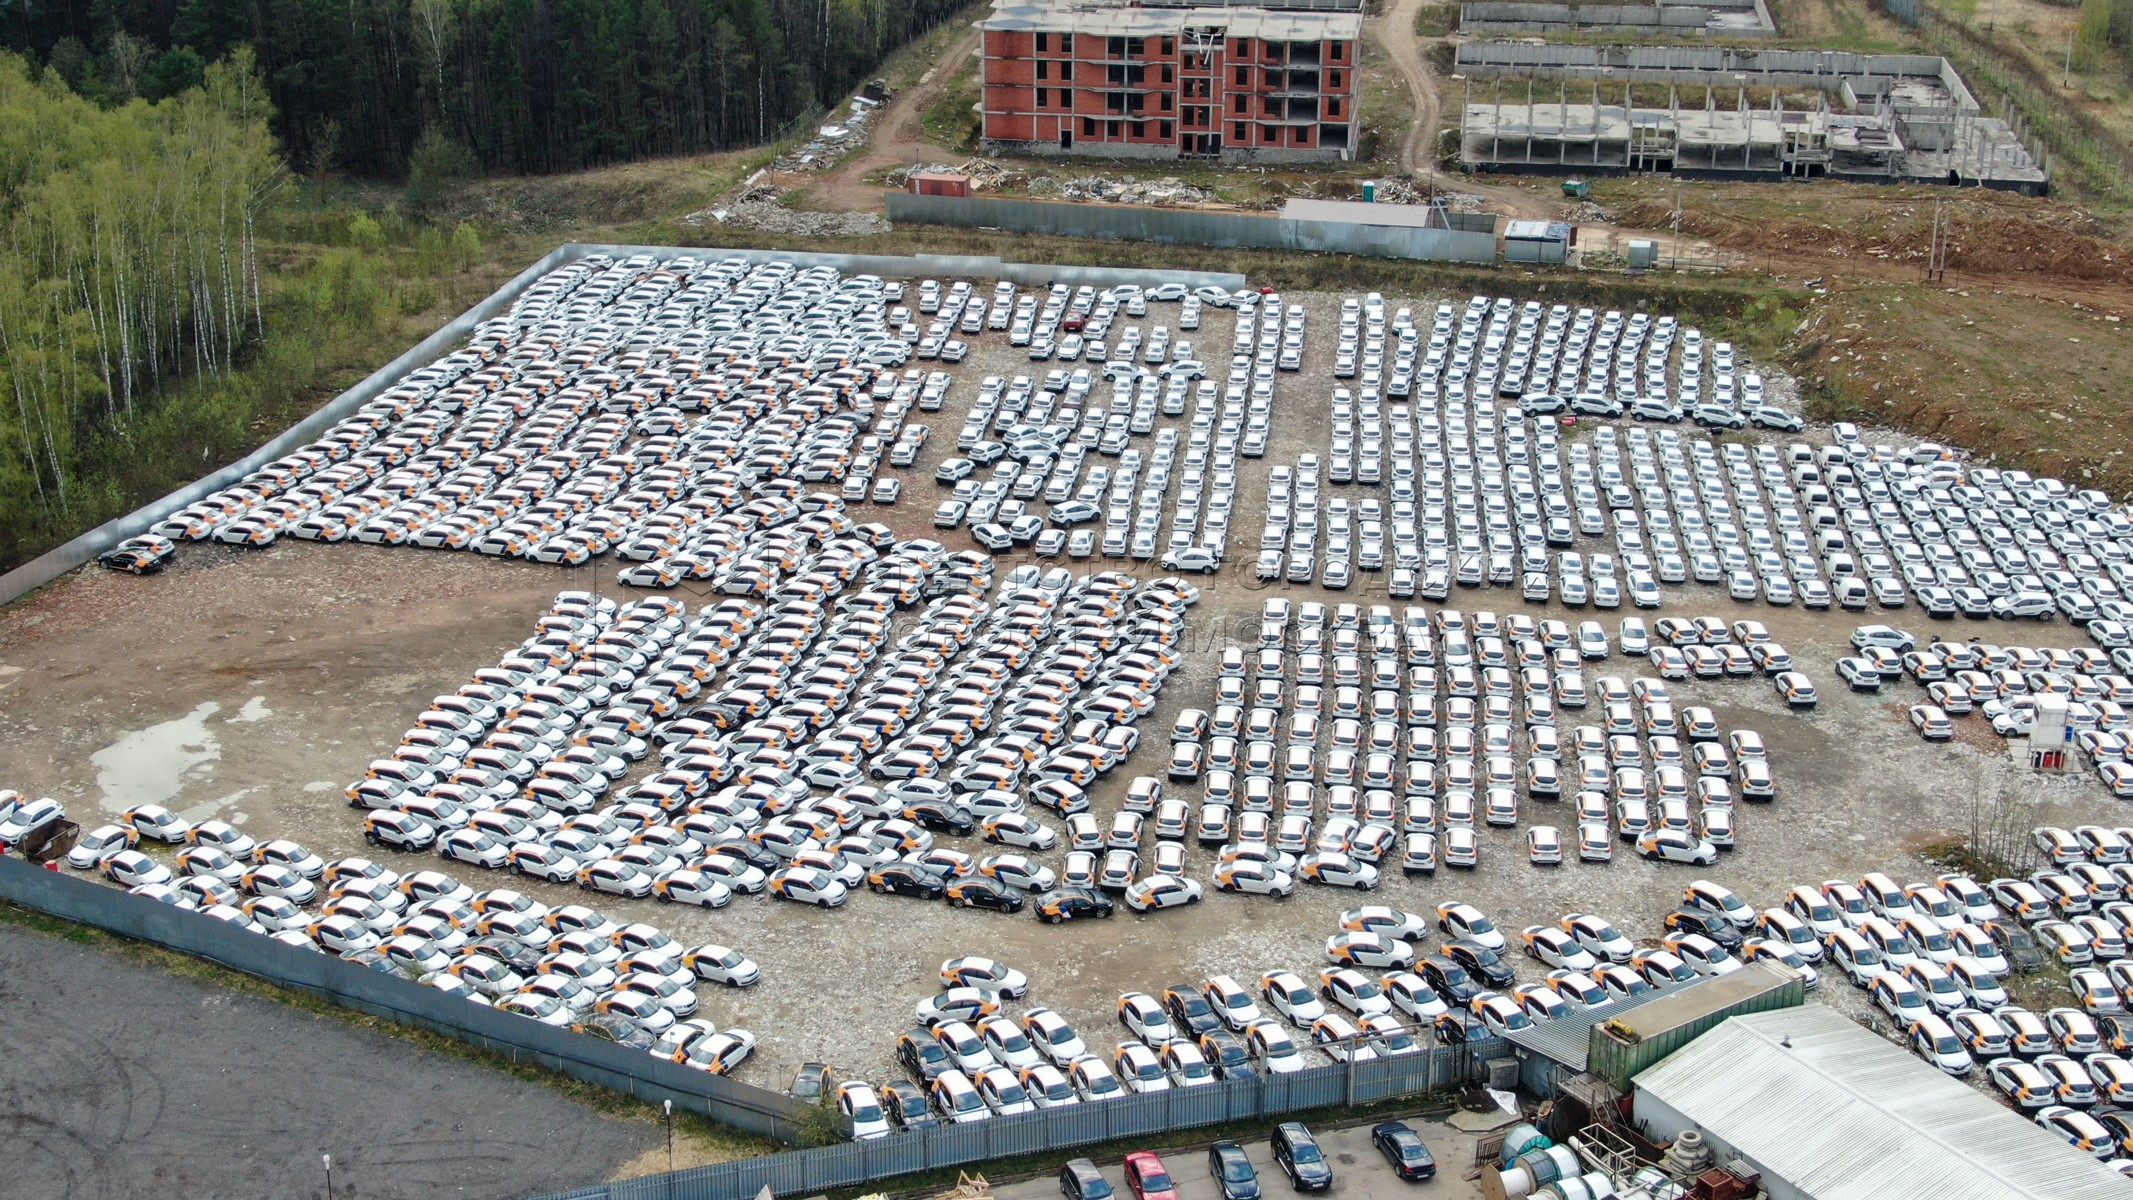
x=984, y=175
x=830, y=142
x=758, y=208
x=1585, y=212
x=1167, y=192
x=1401, y=191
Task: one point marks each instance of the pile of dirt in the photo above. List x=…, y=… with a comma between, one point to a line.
x=1989, y=233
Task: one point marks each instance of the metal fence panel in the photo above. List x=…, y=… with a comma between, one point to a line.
x=1192, y=227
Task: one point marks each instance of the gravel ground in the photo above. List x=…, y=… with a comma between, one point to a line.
x=253, y=685
x=124, y=1081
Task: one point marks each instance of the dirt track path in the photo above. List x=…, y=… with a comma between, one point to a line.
x=1394, y=30
x=899, y=139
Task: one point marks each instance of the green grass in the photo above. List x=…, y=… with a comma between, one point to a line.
x=1436, y=20
x=952, y=118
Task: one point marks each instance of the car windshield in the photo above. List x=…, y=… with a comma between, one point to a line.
x=1306, y=1152
x=1155, y=1181
x=1236, y=1169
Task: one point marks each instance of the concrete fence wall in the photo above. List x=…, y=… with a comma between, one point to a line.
x=398, y=999
x=56, y=562
x=1192, y=227
x=1823, y=67
x=1556, y=16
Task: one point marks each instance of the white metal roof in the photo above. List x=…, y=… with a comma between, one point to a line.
x=1843, y=1114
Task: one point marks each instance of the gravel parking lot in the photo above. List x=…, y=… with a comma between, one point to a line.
x=252, y=685
x=124, y=1081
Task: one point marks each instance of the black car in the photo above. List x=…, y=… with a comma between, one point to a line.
x=1072, y=904
x=906, y=1106
x=1190, y=1010
x=918, y=1053
x=903, y=879
x=510, y=951
x=748, y=852
x=1457, y=1026
x=1449, y=980
x=1080, y=1180
x=1404, y=1149
x=2020, y=948
x=939, y=816
x=980, y=892
x=1718, y=929
x=1297, y=1152
x=143, y=555
x=1226, y=1054
x=1228, y=1166
x=2117, y=1120
x=1481, y=961
x=2117, y=1032
x=612, y=1027
x=811, y=1082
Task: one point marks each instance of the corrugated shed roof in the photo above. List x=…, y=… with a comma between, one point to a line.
x=1568, y=1039
x=1843, y=1114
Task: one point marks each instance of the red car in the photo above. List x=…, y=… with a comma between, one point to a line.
x=1148, y=1178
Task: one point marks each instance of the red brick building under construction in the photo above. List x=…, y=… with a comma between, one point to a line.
x=1152, y=81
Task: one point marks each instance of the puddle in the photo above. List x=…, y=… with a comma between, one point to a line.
x=254, y=709
x=149, y=766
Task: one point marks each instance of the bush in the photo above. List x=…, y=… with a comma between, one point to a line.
x=436, y=164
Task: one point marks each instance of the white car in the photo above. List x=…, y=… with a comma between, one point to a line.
x=1053, y=1037
x=1232, y=1004
x=1352, y=948
x=1162, y=891
x=989, y=974
x=1460, y=920
x=99, y=844
x=1286, y=993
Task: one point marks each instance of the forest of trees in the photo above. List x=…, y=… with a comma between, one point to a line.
x=128, y=260
x=377, y=87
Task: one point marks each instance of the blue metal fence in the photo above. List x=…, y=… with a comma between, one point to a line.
x=806, y=1172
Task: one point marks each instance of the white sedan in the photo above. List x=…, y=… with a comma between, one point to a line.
x=1162, y=891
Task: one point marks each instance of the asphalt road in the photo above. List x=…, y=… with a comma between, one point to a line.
x=118, y=1080
x=1359, y=1171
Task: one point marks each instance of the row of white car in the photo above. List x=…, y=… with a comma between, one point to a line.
x=1424, y=747
x=563, y=966
x=1844, y=523
x=818, y=755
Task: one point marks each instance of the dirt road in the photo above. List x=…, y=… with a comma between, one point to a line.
x=899, y=138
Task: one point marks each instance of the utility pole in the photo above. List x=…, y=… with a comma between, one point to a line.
x=329, y=1175
x=2066, y=77
x=1677, y=226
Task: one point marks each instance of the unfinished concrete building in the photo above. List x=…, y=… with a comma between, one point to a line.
x=1735, y=114
x=1274, y=82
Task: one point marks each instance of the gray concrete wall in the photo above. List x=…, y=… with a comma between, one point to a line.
x=1699, y=64
x=1192, y=227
